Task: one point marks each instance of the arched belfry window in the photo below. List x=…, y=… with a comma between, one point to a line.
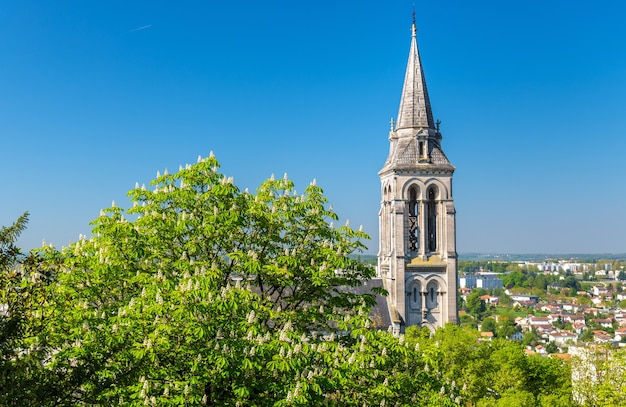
x=432, y=220
x=413, y=223
x=413, y=201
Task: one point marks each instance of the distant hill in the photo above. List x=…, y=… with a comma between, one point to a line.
x=536, y=257
x=532, y=257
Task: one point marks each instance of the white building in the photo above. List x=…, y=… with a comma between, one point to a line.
x=562, y=338
x=480, y=280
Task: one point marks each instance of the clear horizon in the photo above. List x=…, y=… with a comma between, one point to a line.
x=96, y=97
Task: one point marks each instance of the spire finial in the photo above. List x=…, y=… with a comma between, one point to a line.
x=413, y=27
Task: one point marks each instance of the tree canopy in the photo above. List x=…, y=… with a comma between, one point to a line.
x=493, y=373
x=201, y=293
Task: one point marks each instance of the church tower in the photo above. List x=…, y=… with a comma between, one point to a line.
x=417, y=257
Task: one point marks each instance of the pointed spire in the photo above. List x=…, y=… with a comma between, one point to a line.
x=415, y=111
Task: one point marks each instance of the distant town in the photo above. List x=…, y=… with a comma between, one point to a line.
x=551, y=305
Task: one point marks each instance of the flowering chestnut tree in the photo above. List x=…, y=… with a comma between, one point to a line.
x=203, y=294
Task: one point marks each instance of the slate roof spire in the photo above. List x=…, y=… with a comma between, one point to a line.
x=415, y=111
x=415, y=139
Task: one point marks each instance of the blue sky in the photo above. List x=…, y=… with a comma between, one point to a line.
x=95, y=96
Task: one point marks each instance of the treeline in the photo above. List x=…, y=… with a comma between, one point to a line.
x=513, y=274
x=474, y=266
x=492, y=372
x=533, y=257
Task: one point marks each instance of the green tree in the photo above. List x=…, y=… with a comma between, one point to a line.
x=203, y=294
x=505, y=328
x=530, y=338
x=9, y=252
x=552, y=347
x=14, y=307
x=586, y=335
x=490, y=373
x=541, y=282
x=514, y=279
x=505, y=299
x=24, y=317
x=468, y=321
x=488, y=325
x=475, y=305
x=559, y=323
x=599, y=376
x=572, y=283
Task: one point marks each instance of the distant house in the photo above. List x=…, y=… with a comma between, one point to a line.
x=562, y=337
x=577, y=322
x=579, y=327
x=523, y=304
x=602, y=337
x=523, y=323
x=551, y=308
x=597, y=301
x=605, y=322
x=489, y=299
x=525, y=298
x=574, y=318
x=487, y=336
x=600, y=291
x=540, y=321
x=571, y=307
x=620, y=334
x=555, y=317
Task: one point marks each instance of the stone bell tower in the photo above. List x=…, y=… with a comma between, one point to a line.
x=417, y=257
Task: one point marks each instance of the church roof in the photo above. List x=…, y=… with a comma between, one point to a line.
x=380, y=313
x=405, y=156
